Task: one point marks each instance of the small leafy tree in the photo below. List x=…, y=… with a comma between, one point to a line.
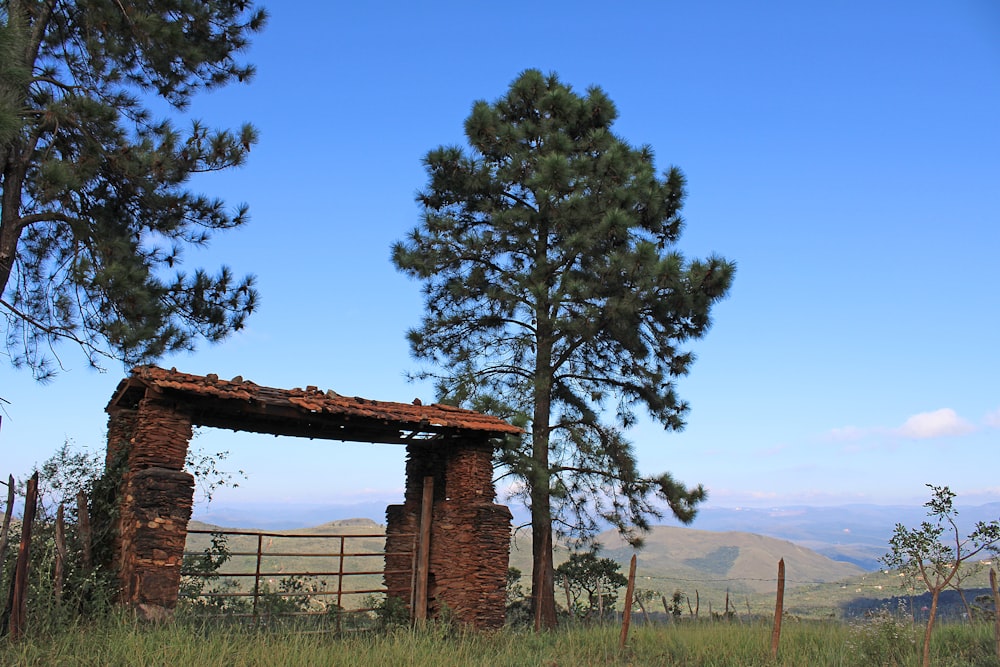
x=674, y=607
x=593, y=582
x=936, y=550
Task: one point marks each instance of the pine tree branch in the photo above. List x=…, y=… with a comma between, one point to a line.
x=50, y=330
x=45, y=216
x=66, y=87
x=519, y=200
x=39, y=26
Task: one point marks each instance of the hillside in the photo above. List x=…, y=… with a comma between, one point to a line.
x=736, y=560
x=686, y=558
x=855, y=533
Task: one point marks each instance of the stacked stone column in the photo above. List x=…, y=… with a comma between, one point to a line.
x=156, y=501
x=470, y=535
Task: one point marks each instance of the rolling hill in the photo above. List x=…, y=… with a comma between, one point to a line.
x=707, y=565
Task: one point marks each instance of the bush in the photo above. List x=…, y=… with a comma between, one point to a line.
x=885, y=638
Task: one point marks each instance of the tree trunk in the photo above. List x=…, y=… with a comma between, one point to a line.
x=935, y=593
x=542, y=572
x=10, y=228
x=543, y=591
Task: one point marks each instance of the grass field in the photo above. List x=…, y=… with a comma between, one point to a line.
x=120, y=641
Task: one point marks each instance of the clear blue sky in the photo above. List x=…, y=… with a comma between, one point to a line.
x=846, y=155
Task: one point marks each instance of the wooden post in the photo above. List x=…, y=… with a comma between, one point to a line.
x=256, y=577
x=423, y=552
x=14, y=614
x=83, y=526
x=569, y=601
x=60, y=564
x=6, y=520
x=642, y=608
x=779, y=605
x=340, y=584
x=627, y=614
x=996, y=610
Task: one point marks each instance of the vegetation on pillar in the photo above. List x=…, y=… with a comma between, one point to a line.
x=554, y=295
x=96, y=209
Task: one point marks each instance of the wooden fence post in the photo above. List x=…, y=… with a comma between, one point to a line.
x=600, y=602
x=779, y=605
x=996, y=610
x=6, y=520
x=256, y=577
x=60, y=564
x=642, y=608
x=16, y=611
x=83, y=526
x=569, y=602
x=627, y=615
x=419, y=604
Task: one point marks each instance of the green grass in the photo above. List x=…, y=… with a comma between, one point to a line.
x=121, y=641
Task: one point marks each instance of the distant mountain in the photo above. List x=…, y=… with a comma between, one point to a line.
x=285, y=516
x=742, y=562
x=857, y=533
x=674, y=557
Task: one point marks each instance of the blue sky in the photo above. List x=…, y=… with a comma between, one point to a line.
x=846, y=155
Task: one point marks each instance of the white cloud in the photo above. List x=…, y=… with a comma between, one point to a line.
x=936, y=424
x=993, y=419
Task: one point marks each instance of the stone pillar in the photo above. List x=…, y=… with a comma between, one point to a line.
x=155, y=502
x=121, y=430
x=403, y=521
x=470, y=535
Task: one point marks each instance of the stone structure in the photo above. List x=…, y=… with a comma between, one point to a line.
x=151, y=418
x=469, y=534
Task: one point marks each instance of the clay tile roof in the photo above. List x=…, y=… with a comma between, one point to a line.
x=242, y=405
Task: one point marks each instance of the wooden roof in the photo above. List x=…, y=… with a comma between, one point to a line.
x=241, y=405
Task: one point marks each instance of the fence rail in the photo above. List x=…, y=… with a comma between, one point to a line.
x=346, y=561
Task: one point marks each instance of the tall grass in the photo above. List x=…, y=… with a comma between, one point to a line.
x=120, y=640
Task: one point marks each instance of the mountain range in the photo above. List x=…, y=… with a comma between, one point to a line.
x=857, y=534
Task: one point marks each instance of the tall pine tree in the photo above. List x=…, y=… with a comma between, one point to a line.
x=553, y=291
x=95, y=209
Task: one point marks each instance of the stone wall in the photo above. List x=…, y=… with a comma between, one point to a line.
x=470, y=535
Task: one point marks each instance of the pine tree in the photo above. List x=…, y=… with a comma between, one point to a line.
x=96, y=210
x=553, y=292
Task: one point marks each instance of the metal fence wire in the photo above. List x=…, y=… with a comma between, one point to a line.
x=260, y=575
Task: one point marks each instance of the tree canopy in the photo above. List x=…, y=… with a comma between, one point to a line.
x=935, y=552
x=96, y=208
x=554, y=295
x=593, y=583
